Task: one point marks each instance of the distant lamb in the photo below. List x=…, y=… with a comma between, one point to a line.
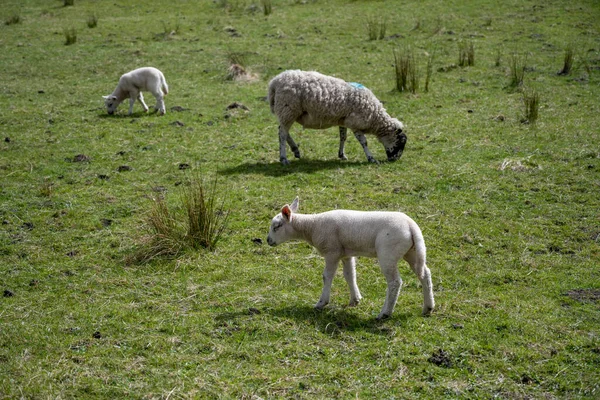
x=318, y=101
x=344, y=234
x=131, y=85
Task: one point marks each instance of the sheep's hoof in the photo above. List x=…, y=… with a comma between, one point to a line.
x=284, y=161
x=342, y=156
x=382, y=316
x=296, y=153
x=354, y=302
x=320, y=305
x=427, y=311
x=372, y=160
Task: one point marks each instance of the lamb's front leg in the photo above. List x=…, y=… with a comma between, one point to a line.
x=140, y=97
x=363, y=142
x=331, y=265
x=350, y=276
x=160, y=103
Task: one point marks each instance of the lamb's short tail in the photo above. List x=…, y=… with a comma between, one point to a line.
x=420, y=250
x=164, y=86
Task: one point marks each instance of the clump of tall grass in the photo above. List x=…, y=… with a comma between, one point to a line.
x=70, y=36
x=198, y=222
x=531, y=103
x=406, y=70
x=466, y=54
x=568, y=60
x=267, y=7
x=376, y=28
x=92, y=21
x=516, y=64
x=15, y=19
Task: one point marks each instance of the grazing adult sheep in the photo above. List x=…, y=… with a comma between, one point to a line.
x=345, y=234
x=131, y=85
x=318, y=101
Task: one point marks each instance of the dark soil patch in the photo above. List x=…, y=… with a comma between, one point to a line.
x=584, y=295
x=440, y=358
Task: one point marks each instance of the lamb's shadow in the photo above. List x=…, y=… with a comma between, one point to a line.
x=331, y=320
x=297, y=166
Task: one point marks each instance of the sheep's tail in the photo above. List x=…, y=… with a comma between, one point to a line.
x=420, y=250
x=272, y=97
x=163, y=85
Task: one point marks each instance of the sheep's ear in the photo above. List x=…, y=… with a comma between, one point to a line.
x=295, y=204
x=287, y=213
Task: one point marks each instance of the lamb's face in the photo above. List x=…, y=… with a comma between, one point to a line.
x=394, y=141
x=277, y=232
x=111, y=104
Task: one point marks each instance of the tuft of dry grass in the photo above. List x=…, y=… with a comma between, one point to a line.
x=92, y=21
x=70, y=36
x=406, y=70
x=531, y=102
x=197, y=222
x=267, y=7
x=466, y=54
x=516, y=65
x=376, y=28
x=568, y=60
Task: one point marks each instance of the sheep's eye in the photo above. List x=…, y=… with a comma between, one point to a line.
x=277, y=227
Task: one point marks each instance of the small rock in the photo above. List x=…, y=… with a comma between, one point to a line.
x=81, y=158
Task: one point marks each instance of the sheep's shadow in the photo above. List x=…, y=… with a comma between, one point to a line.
x=330, y=321
x=300, y=166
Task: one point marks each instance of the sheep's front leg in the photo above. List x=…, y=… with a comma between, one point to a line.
x=350, y=276
x=394, y=283
x=363, y=142
x=343, y=136
x=331, y=265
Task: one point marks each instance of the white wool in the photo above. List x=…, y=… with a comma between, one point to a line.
x=318, y=101
x=342, y=235
x=131, y=86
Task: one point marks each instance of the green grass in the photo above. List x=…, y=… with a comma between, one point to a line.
x=509, y=211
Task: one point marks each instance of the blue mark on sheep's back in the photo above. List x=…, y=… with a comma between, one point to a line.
x=357, y=85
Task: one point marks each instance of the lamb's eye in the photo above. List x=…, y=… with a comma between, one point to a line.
x=277, y=227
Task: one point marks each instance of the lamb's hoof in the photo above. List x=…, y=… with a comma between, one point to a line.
x=382, y=316
x=353, y=303
x=342, y=157
x=427, y=311
x=284, y=161
x=161, y=112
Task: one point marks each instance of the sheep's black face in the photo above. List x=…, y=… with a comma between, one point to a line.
x=396, y=151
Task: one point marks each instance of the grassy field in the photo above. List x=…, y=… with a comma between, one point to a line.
x=510, y=210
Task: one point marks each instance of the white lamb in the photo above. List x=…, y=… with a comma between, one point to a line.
x=131, y=85
x=344, y=234
x=318, y=101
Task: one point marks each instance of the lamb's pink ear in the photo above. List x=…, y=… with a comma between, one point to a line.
x=287, y=212
x=295, y=204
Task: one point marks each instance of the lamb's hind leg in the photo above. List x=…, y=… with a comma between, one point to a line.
x=350, y=276
x=331, y=265
x=343, y=136
x=363, y=142
x=417, y=264
x=160, y=103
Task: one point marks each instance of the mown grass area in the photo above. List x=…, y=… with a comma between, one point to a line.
x=509, y=209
